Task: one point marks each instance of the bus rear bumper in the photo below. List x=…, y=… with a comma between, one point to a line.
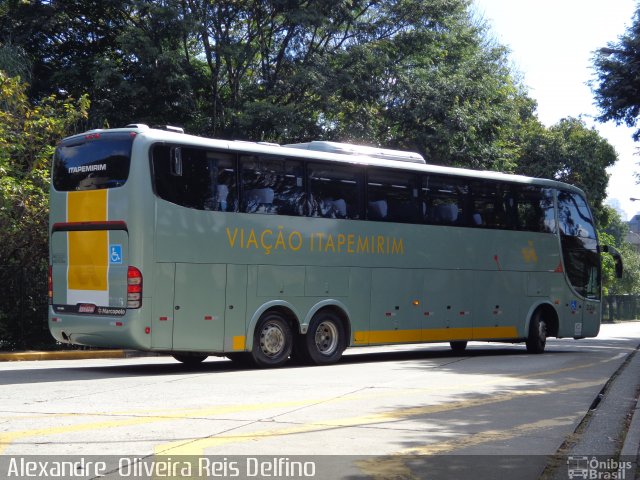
x=101, y=331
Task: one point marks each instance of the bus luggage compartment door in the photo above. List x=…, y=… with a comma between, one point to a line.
x=199, y=307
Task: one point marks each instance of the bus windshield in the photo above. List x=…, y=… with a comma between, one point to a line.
x=92, y=162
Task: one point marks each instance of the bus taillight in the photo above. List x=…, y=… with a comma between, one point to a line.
x=134, y=288
x=50, y=283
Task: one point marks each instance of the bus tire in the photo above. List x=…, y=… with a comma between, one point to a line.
x=272, y=341
x=190, y=359
x=458, y=346
x=537, y=339
x=325, y=339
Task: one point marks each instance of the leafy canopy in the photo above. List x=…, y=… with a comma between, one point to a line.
x=617, y=83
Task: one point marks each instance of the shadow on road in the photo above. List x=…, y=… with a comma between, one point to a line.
x=422, y=356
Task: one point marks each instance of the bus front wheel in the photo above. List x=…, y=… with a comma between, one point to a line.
x=272, y=341
x=325, y=339
x=537, y=339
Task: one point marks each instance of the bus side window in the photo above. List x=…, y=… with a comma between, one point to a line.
x=222, y=195
x=444, y=200
x=392, y=196
x=487, y=205
x=181, y=175
x=535, y=211
x=334, y=191
x=272, y=185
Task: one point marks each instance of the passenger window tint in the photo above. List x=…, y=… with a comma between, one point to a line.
x=392, y=196
x=271, y=185
x=223, y=193
x=579, y=244
x=334, y=191
x=574, y=216
x=488, y=206
x=535, y=211
x=195, y=178
x=443, y=200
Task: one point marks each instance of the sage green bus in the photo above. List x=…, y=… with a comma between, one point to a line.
x=166, y=242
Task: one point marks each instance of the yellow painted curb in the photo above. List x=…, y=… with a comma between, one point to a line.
x=61, y=355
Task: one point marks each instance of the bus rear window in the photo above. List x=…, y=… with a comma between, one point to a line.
x=95, y=161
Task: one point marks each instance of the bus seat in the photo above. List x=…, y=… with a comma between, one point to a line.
x=260, y=195
x=340, y=207
x=378, y=209
x=258, y=199
x=447, y=213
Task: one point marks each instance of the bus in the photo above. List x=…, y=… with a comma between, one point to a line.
x=166, y=242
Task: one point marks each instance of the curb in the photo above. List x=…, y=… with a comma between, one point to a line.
x=62, y=355
x=631, y=446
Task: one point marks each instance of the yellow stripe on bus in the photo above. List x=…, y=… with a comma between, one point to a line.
x=434, y=335
x=88, y=250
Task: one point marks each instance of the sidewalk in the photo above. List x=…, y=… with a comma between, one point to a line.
x=609, y=433
x=631, y=447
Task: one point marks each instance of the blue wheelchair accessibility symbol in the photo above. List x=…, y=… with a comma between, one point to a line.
x=115, y=253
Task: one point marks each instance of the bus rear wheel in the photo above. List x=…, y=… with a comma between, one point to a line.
x=272, y=341
x=537, y=339
x=190, y=358
x=325, y=340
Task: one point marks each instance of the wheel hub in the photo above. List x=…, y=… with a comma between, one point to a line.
x=272, y=340
x=326, y=338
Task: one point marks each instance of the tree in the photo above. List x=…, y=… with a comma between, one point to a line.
x=617, y=86
x=411, y=74
x=569, y=152
x=28, y=134
x=613, y=231
x=130, y=56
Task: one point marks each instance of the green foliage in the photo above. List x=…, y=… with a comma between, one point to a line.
x=612, y=223
x=28, y=134
x=617, y=87
x=630, y=282
x=608, y=265
x=411, y=74
x=569, y=152
x=613, y=232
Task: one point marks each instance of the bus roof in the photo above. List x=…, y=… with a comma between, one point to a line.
x=328, y=151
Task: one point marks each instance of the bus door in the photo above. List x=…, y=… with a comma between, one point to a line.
x=199, y=307
x=446, y=307
x=395, y=312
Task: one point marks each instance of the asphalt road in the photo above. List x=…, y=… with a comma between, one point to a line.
x=379, y=413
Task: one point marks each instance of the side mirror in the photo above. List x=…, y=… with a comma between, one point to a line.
x=616, y=258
